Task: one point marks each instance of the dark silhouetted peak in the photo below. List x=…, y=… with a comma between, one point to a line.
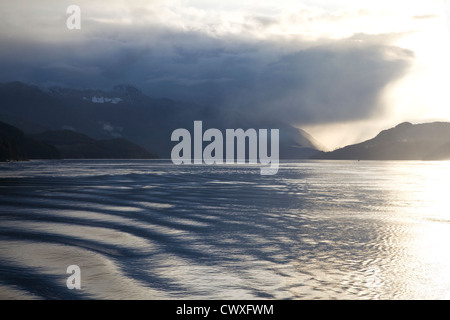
x=404, y=142
x=126, y=89
x=15, y=146
x=404, y=125
x=17, y=88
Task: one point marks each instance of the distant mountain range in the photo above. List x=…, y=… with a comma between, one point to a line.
x=15, y=146
x=65, y=144
x=74, y=145
x=125, y=123
x=125, y=112
x=428, y=141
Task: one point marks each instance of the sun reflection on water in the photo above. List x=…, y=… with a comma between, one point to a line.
x=426, y=259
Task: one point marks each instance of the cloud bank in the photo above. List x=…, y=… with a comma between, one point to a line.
x=236, y=61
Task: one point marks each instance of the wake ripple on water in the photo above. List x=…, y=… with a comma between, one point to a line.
x=151, y=230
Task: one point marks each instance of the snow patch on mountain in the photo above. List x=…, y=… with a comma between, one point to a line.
x=102, y=99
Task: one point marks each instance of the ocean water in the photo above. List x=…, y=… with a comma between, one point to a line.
x=153, y=230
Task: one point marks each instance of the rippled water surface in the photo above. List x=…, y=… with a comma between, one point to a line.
x=152, y=230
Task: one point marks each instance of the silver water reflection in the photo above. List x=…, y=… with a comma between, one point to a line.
x=152, y=230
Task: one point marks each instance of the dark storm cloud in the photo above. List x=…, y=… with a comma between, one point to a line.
x=277, y=77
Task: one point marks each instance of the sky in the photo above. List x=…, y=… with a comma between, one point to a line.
x=341, y=70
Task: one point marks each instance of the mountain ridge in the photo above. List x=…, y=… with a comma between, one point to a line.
x=406, y=141
x=74, y=145
x=126, y=112
x=15, y=146
x=64, y=144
